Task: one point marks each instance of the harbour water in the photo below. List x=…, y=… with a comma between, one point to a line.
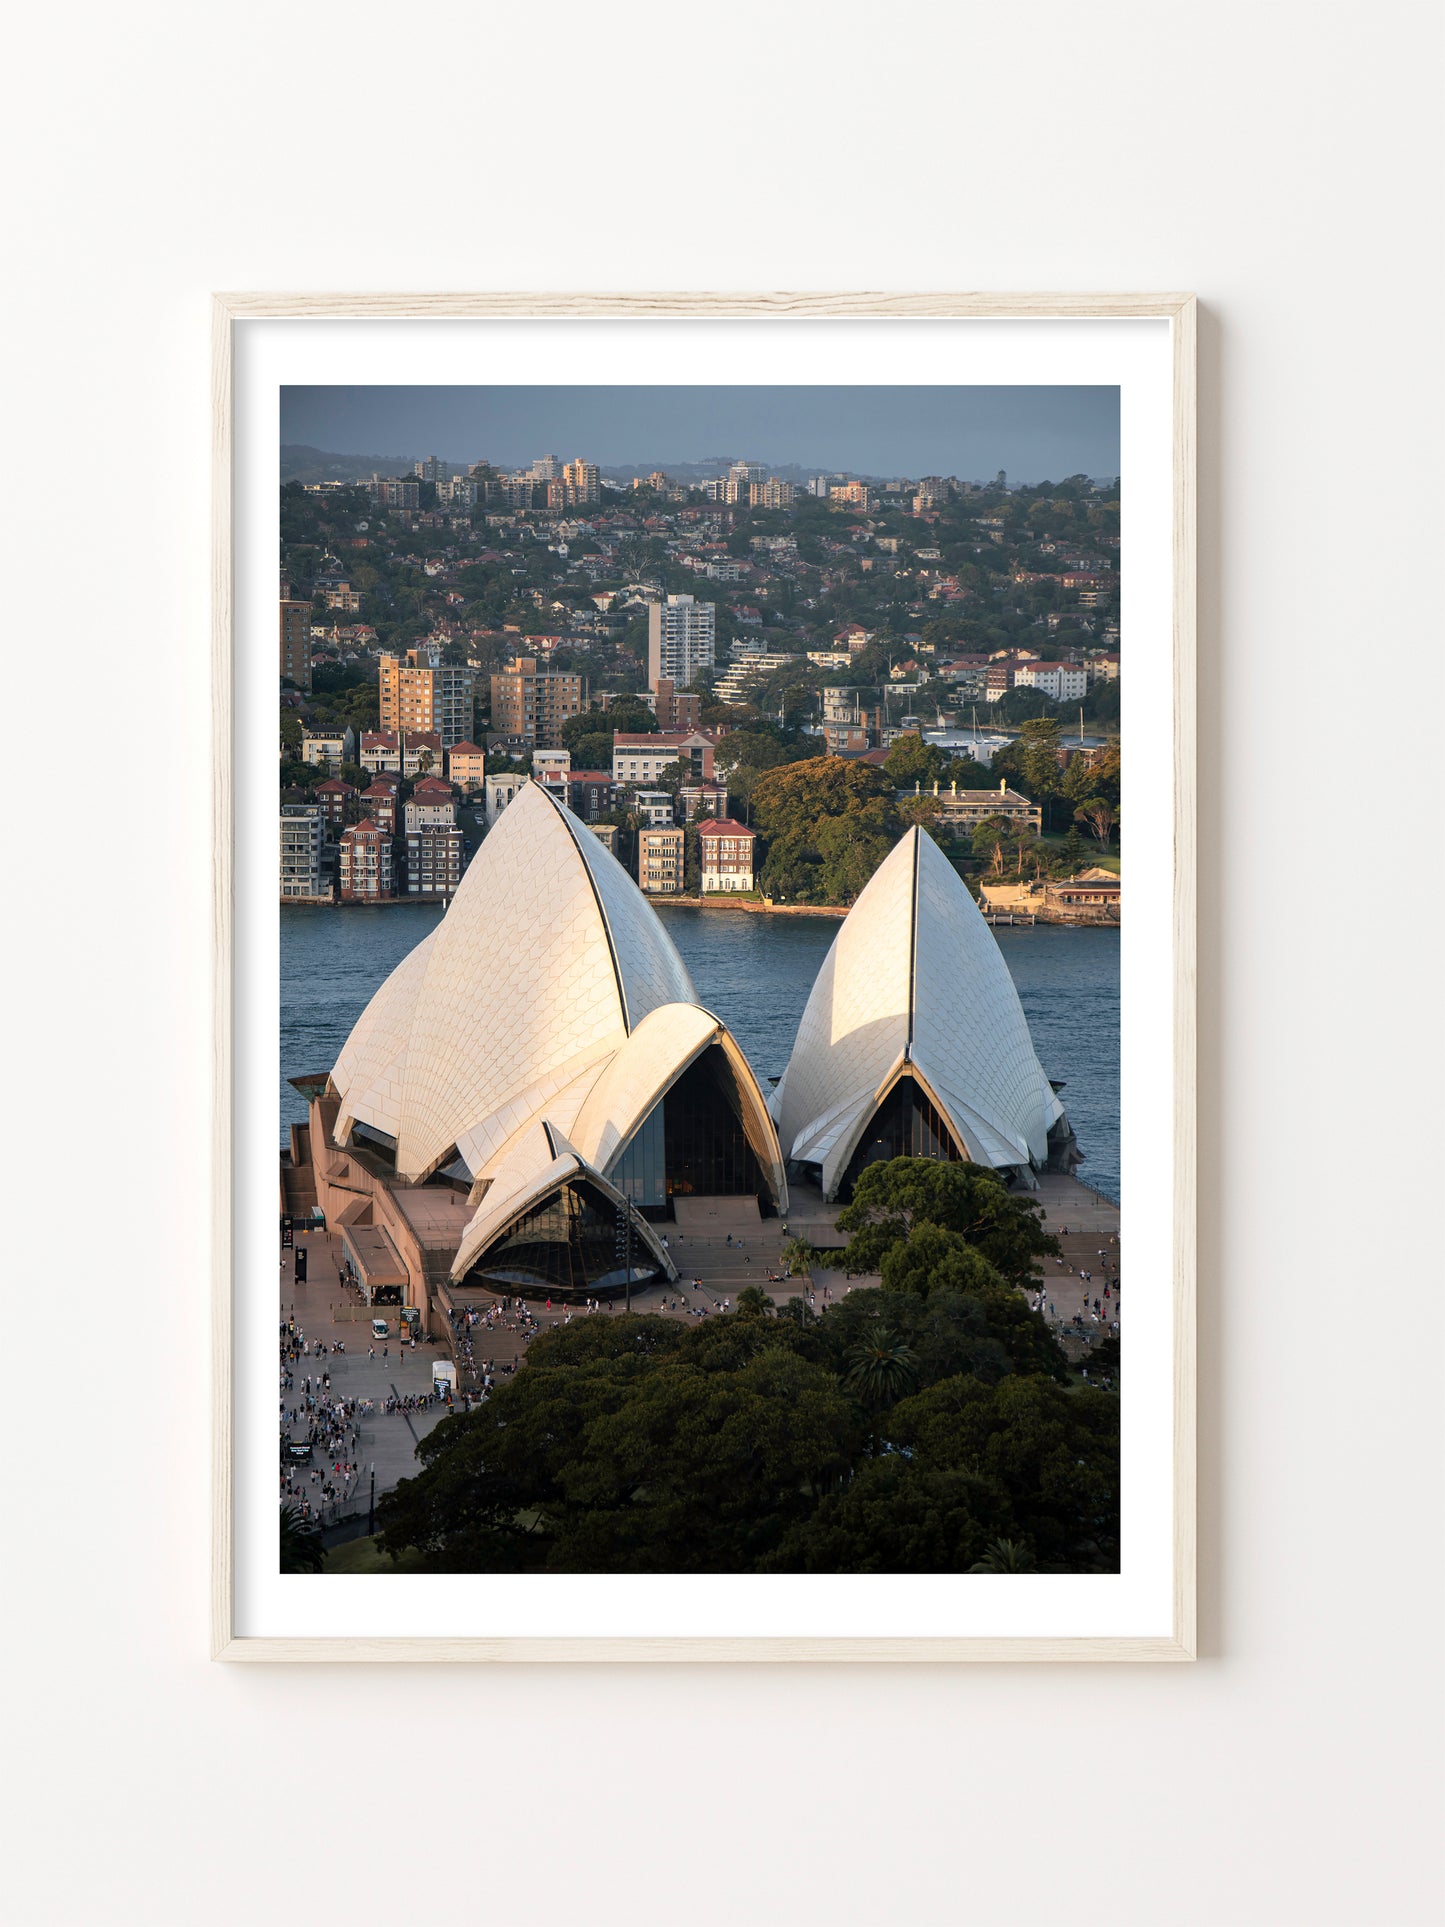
x=755, y=972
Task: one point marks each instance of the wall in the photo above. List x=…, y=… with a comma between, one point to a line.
x=1273, y=157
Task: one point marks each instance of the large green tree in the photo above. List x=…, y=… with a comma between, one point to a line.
x=827, y=823
x=892, y=1197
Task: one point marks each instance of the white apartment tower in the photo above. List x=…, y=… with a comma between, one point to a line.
x=302, y=837
x=681, y=640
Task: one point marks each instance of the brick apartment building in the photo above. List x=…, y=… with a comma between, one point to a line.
x=532, y=705
x=365, y=871
x=418, y=693
x=296, y=643
x=678, y=711
x=335, y=799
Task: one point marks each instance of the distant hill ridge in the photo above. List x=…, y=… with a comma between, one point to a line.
x=302, y=464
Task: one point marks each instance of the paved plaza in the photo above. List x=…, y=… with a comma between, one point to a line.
x=1087, y=1226
x=327, y=1313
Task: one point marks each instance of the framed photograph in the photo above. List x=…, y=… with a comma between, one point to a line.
x=680, y=1041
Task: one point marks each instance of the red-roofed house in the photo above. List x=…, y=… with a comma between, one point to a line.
x=333, y=795
x=422, y=752
x=726, y=850
x=380, y=749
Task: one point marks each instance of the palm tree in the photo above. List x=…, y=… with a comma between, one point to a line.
x=797, y=1255
x=881, y=1369
x=301, y=1547
x=754, y=1302
x=1005, y=1555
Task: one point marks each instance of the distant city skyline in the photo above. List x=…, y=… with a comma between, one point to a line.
x=1034, y=433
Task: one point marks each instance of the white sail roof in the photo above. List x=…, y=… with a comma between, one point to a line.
x=535, y=1029
x=545, y=960
x=914, y=983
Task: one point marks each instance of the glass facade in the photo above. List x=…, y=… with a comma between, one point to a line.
x=567, y=1247
x=641, y=1172
x=905, y=1125
x=707, y=1150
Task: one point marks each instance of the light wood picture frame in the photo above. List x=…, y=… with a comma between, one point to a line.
x=230, y=312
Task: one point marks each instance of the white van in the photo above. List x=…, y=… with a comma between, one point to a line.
x=380, y=1328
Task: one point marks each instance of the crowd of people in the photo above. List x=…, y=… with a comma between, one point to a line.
x=320, y=1435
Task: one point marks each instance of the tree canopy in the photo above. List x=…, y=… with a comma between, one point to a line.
x=902, y=1430
x=828, y=824
x=893, y=1197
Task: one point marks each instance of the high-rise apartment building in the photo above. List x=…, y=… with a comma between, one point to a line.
x=850, y=495
x=582, y=483
x=534, y=706
x=296, y=643
x=771, y=494
x=681, y=640
x=460, y=492
x=420, y=694
x=395, y=491
x=303, y=831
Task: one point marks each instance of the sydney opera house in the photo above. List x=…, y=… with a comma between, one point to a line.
x=536, y=1090
x=914, y=1043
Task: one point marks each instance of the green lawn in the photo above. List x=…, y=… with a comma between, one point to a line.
x=362, y=1555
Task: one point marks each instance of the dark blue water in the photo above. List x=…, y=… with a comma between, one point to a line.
x=755, y=972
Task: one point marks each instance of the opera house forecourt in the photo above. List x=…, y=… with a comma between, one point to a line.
x=533, y=1089
x=913, y=1042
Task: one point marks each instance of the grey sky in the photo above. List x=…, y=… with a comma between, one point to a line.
x=1035, y=433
